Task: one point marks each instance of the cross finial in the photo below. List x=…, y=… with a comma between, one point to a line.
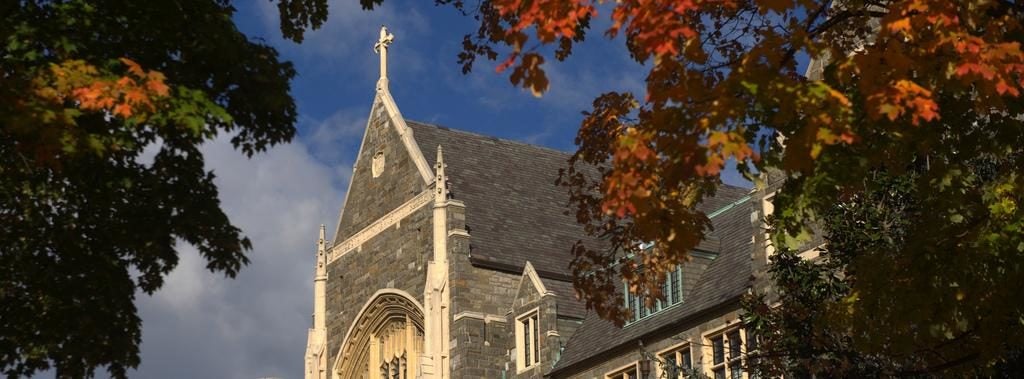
x=382, y=48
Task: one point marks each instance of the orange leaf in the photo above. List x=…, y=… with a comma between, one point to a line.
x=133, y=67
x=123, y=110
x=901, y=25
x=158, y=87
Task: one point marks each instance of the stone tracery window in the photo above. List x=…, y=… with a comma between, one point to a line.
x=385, y=341
x=396, y=341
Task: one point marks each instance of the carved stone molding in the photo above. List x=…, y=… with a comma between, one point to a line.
x=390, y=219
x=390, y=325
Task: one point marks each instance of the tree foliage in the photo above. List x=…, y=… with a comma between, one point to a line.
x=86, y=220
x=896, y=81
x=898, y=290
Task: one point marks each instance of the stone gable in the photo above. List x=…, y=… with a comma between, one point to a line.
x=385, y=176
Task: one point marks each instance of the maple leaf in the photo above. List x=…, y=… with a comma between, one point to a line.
x=133, y=67
x=74, y=118
x=123, y=110
x=723, y=83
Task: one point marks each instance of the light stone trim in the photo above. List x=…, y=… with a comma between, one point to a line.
x=372, y=230
x=458, y=232
x=384, y=301
x=486, y=317
x=622, y=369
x=316, y=340
x=530, y=272
x=707, y=364
x=671, y=349
x=406, y=134
x=436, y=293
x=526, y=318
x=384, y=99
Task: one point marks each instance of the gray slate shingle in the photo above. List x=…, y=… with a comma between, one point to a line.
x=566, y=301
x=725, y=279
x=514, y=210
x=516, y=214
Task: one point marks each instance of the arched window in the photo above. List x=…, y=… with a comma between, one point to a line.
x=384, y=341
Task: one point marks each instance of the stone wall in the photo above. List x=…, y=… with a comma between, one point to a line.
x=528, y=299
x=566, y=328
x=395, y=258
x=479, y=340
x=480, y=301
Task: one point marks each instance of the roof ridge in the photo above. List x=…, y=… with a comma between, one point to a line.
x=475, y=134
x=723, y=184
x=729, y=206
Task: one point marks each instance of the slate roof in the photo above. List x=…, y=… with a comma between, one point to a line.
x=516, y=214
x=514, y=210
x=565, y=298
x=725, y=279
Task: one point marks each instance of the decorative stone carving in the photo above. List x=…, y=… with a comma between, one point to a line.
x=385, y=341
x=378, y=226
x=377, y=167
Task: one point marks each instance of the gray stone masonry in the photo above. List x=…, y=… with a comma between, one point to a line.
x=370, y=198
x=528, y=299
x=396, y=258
x=478, y=346
x=478, y=343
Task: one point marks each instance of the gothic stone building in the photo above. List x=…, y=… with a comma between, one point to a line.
x=450, y=260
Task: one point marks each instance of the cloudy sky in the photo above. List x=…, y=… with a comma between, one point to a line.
x=202, y=325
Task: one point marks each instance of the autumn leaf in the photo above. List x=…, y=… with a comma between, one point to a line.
x=889, y=82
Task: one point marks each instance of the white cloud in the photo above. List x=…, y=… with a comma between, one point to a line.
x=202, y=324
x=337, y=136
x=345, y=41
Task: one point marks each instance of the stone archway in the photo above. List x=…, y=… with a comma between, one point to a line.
x=385, y=341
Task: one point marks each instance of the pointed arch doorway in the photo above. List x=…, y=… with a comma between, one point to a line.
x=385, y=341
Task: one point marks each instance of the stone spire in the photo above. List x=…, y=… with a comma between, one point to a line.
x=316, y=342
x=381, y=48
x=437, y=293
x=441, y=181
x=320, y=282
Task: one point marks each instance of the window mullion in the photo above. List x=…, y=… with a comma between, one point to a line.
x=535, y=330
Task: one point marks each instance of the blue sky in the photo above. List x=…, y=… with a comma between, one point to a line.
x=338, y=69
x=202, y=325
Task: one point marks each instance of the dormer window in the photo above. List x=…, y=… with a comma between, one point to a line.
x=672, y=289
